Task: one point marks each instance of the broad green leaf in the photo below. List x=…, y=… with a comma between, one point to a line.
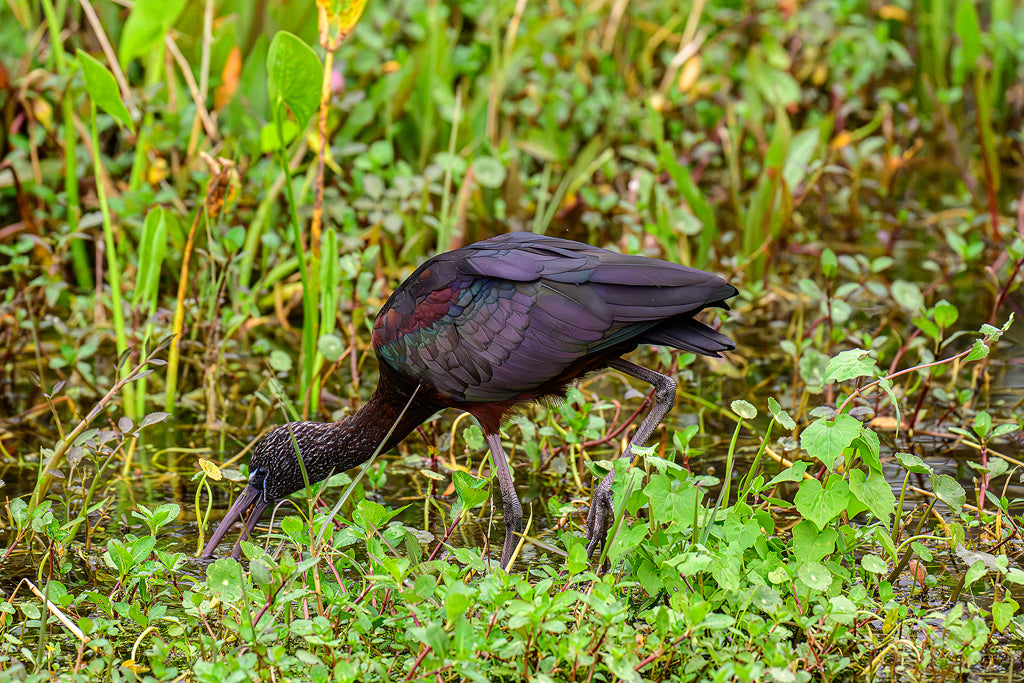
x=873, y=564
x=822, y=505
x=330, y=346
x=843, y=610
x=489, y=172
x=271, y=142
x=744, y=409
x=978, y=351
x=908, y=296
x=142, y=548
x=946, y=314
x=146, y=26
x=949, y=491
x=765, y=598
x=848, y=365
x=826, y=440
x=780, y=415
x=458, y=599
x=975, y=572
x=224, y=578
x=913, y=463
x=874, y=492
x=102, y=89
x=293, y=527
x=294, y=75
x=1002, y=613
x=811, y=544
x=794, y=473
x=815, y=575
x=928, y=327
x=671, y=506
x=470, y=492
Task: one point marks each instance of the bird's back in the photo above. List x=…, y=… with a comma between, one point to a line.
x=517, y=316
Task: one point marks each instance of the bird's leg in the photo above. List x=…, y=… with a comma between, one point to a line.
x=510, y=501
x=602, y=511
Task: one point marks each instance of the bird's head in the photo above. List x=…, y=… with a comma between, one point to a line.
x=275, y=472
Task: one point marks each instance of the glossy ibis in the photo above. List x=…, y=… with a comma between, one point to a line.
x=484, y=329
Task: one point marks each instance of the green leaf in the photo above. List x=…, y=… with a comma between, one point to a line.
x=794, y=473
x=843, y=609
x=765, y=598
x=118, y=557
x=982, y=424
x=826, y=440
x=470, y=492
x=330, y=347
x=102, y=89
x=668, y=506
x=811, y=544
x=869, y=447
x=928, y=327
x=1002, y=613
x=744, y=409
x=1004, y=429
x=913, y=463
x=968, y=30
x=489, y=172
x=949, y=491
x=146, y=26
x=975, y=572
x=458, y=599
x=829, y=263
x=294, y=527
x=294, y=75
x=271, y=142
x=848, y=365
x=946, y=314
x=873, y=564
x=152, y=248
x=280, y=361
x=978, y=351
x=224, y=578
x=822, y=505
x=141, y=548
x=780, y=415
x=885, y=541
x=874, y=492
x=815, y=575
x=908, y=295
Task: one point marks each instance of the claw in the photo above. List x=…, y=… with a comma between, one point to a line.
x=602, y=511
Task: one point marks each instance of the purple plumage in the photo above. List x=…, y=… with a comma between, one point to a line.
x=493, y=325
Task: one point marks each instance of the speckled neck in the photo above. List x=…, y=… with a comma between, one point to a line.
x=331, y=447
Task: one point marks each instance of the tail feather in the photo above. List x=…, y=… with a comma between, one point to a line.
x=687, y=334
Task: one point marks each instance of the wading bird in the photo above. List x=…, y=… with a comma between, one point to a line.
x=485, y=329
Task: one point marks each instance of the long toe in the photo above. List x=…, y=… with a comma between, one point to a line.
x=599, y=518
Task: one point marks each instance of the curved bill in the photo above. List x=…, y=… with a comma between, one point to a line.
x=251, y=497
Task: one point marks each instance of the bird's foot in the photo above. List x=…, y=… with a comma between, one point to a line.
x=601, y=515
